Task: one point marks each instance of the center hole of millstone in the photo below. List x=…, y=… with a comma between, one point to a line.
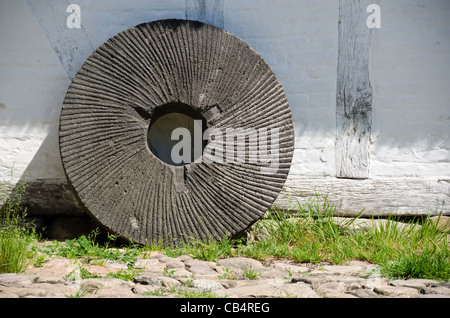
x=175, y=134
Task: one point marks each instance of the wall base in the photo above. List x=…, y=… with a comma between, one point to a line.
x=46, y=198
x=371, y=197
x=367, y=198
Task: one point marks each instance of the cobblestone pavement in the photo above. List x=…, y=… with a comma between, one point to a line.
x=238, y=277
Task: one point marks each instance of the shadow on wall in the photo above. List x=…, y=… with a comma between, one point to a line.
x=50, y=205
x=49, y=196
x=54, y=52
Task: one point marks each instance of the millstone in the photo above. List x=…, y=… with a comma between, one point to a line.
x=114, y=130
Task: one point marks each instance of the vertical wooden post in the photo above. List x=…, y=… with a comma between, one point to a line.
x=353, y=91
x=206, y=11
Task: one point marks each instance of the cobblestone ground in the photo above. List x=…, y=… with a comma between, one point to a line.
x=161, y=276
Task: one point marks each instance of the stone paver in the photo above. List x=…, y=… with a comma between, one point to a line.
x=239, y=277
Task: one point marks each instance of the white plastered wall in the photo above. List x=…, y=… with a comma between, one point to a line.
x=409, y=71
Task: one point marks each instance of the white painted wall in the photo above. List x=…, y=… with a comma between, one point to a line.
x=410, y=75
x=299, y=41
x=33, y=82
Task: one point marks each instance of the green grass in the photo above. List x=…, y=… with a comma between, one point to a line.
x=209, y=251
x=250, y=273
x=15, y=238
x=87, y=247
x=185, y=293
x=80, y=273
x=80, y=293
x=429, y=263
x=127, y=275
x=182, y=293
x=309, y=235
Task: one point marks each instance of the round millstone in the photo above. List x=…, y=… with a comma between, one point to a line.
x=114, y=133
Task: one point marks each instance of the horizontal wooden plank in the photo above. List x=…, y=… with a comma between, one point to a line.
x=372, y=197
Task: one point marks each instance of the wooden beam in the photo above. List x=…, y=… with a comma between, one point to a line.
x=371, y=197
x=210, y=12
x=353, y=91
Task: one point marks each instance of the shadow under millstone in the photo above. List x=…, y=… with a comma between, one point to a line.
x=68, y=228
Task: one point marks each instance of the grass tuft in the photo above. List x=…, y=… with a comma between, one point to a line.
x=312, y=235
x=87, y=247
x=15, y=237
x=431, y=263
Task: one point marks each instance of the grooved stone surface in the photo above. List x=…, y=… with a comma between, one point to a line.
x=109, y=106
